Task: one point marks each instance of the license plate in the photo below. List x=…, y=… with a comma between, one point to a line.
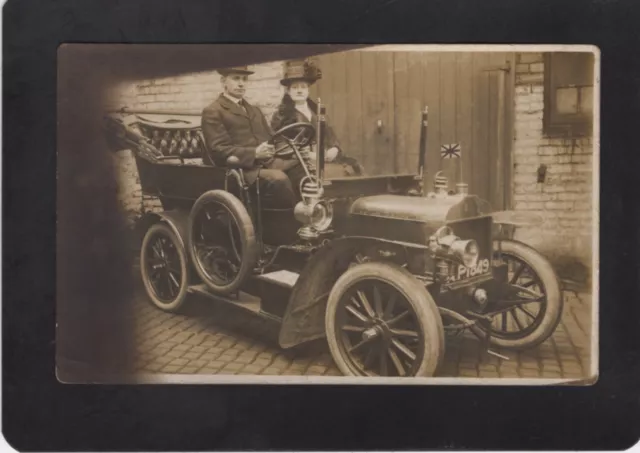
x=460, y=272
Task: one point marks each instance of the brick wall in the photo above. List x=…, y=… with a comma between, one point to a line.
x=190, y=92
x=565, y=198
x=193, y=92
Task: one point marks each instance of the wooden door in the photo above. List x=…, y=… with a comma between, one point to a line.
x=357, y=88
x=374, y=102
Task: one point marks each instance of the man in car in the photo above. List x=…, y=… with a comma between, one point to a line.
x=233, y=127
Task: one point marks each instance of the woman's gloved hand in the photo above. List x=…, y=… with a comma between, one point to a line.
x=331, y=154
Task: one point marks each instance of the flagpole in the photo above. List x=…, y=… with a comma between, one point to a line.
x=463, y=188
x=461, y=176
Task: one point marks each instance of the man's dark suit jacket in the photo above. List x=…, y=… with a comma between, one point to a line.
x=229, y=130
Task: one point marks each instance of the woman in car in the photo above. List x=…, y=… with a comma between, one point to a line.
x=297, y=107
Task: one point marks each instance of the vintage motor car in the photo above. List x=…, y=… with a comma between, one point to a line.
x=379, y=265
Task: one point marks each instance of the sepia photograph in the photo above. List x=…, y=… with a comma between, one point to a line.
x=370, y=214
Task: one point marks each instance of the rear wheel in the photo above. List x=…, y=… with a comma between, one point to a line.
x=380, y=321
x=222, y=241
x=528, y=305
x=163, y=265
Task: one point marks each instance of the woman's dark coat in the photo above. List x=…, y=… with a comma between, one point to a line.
x=288, y=114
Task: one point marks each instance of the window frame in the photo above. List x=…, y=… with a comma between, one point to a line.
x=559, y=124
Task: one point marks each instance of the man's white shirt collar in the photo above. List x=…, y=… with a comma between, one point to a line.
x=231, y=98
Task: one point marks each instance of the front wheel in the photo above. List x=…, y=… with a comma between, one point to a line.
x=380, y=321
x=528, y=305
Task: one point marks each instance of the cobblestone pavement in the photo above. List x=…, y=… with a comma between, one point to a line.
x=212, y=338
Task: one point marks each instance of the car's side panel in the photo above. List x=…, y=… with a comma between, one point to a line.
x=147, y=175
x=187, y=182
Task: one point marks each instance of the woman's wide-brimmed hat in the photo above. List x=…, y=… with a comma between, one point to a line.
x=296, y=70
x=235, y=70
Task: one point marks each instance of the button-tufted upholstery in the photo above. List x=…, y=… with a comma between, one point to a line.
x=183, y=142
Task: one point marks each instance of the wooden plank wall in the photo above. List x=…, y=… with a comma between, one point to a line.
x=468, y=99
x=358, y=90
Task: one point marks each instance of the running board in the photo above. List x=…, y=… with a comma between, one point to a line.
x=275, y=287
x=241, y=300
x=283, y=278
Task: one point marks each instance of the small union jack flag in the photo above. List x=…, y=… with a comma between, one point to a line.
x=450, y=151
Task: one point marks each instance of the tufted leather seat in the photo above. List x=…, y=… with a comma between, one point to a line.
x=186, y=143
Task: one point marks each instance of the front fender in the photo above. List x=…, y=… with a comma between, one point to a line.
x=303, y=320
x=501, y=240
x=506, y=222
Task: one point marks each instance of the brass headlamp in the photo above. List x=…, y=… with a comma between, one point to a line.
x=315, y=213
x=444, y=244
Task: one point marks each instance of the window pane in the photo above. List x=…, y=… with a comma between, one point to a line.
x=567, y=100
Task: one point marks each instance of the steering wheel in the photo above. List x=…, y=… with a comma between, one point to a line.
x=305, y=135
